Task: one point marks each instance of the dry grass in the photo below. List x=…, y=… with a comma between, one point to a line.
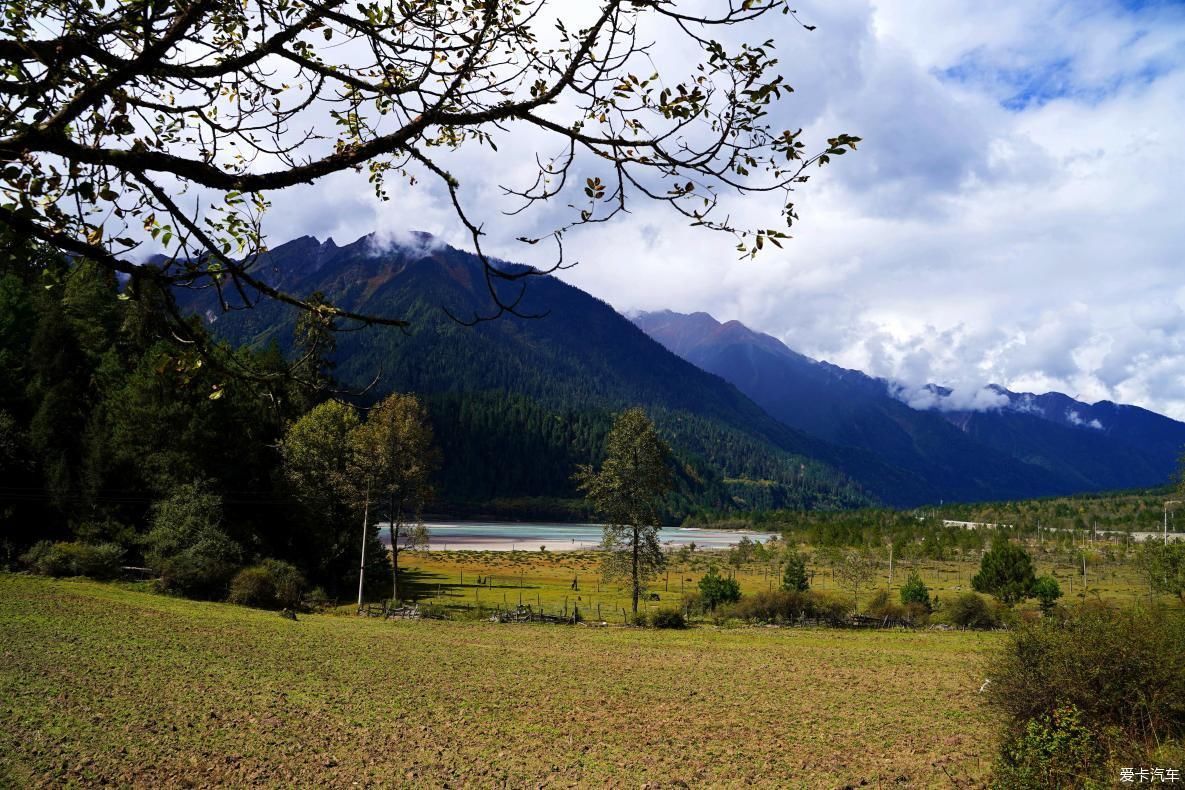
x=101, y=683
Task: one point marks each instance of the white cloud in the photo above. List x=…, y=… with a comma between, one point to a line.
x=1012, y=217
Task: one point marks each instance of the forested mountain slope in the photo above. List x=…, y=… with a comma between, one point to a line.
x=519, y=402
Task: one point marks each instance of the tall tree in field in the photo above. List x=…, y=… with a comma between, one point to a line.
x=316, y=452
x=392, y=456
x=627, y=492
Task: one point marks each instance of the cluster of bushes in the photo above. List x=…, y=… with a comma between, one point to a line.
x=785, y=606
x=99, y=561
x=1088, y=692
x=188, y=549
x=272, y=584
x=202, y=568
x=661, y=618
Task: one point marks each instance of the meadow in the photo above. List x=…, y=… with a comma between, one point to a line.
x=464, y=581
x=108, y=683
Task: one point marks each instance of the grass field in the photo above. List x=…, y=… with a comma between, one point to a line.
x=104, y=683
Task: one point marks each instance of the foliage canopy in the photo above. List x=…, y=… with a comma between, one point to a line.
x=178, y=121
x=1005, y=571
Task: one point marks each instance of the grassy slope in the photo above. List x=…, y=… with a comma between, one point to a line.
x=99, y=682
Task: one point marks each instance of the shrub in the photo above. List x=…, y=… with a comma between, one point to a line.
x=969, y=610
x=693, y=602
x=1052, y=750
x=917, y=613
x=668, y=618
x=1047, y=591
x=1120, y=673
x=882, y=605
x=102, y=561
x=1005, y=571
x=316, y=600
x=827, y=608
x=272, y=584
x=915, y=591
x=187, y=546
x=715, y=589
x=794, y=578
x=784, y=606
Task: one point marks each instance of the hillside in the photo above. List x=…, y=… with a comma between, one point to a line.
x=519, y=402
x=1031, y=446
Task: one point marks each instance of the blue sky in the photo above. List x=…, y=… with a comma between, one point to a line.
x=1014, y=215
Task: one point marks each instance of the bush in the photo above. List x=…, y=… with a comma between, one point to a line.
x=187, y=546
x=102, y=561
x=716, y=590
x=1121, y=676
x=915, y=591
x=316, y=600
x=668, y=618
x=1052, y=750
x=784, y=606
x=272, y=584
x=882, y=605
x=969, y=610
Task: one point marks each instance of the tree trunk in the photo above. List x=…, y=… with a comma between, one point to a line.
x=637, y=584
x=365, y=535
x=394, y=553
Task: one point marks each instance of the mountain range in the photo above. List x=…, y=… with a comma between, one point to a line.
x=518, y=403
x=1017, y=445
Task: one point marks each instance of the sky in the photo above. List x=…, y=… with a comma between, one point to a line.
x=1012, y=217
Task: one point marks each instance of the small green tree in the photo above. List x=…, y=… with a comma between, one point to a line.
x=794, y=577
x=627, y=492
x=1005, y=571
x=915, y=591
x=714, y=589
x=1047, y=591
x=853, y=570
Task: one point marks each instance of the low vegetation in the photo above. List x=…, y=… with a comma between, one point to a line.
x=1088, y=693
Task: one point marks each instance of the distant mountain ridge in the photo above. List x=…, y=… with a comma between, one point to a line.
x=1028, y=445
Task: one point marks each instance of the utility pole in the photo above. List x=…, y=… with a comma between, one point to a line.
x=365, y=530
x=1166, y=518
